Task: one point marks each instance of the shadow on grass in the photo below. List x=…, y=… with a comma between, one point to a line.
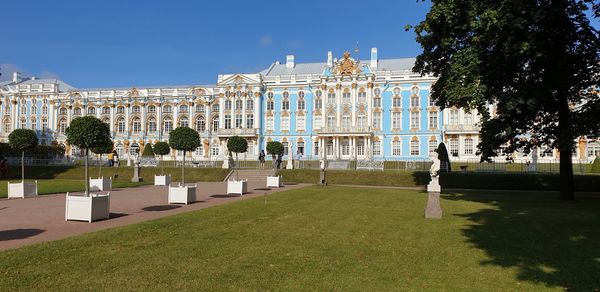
x=546, y=240
x=159, y=208
x=19, y=233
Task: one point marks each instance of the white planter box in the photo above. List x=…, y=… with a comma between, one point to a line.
x=87, y=208
x=162, y=180
x=22, y=189
x=239, y=187
x=100, y=184
x=182, y=194
x=273, y=181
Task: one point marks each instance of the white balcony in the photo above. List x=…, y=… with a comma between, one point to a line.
x=459, y=129
x=237, y=132
x=345, y=130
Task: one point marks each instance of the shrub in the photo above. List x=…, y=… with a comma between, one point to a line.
x=161, y=148
x=274, y=148
x=148, y=152
x=596, y=165
x=21, y=140
x=443, y=157
x=185, y=139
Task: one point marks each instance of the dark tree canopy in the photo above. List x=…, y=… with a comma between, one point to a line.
x=88, y=132
x=237, y=144
x=536, y=64
x=162, y=148
x=275, y=148
x=104, y=148
x=148, y=152
x=22, y=139
x=184, y=138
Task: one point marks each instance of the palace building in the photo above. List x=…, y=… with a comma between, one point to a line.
x=341, y=109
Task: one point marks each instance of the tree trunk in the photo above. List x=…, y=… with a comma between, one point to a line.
x=182, y=169
x=565, y=147
x=87, y=179
x=22, y=166
x=100, y=166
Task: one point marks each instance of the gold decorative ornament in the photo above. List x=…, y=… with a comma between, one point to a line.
x=346, y=66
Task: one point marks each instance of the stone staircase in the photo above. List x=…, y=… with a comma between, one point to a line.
x=252, y=175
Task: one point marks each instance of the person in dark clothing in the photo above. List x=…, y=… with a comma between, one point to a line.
x=278, y=161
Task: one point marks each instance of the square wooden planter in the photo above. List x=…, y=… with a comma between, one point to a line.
x=239, y=187
x=100, y=184
x=273, y=181
x=87, y=208
x=182, y=194
x=162, y=180
x=22, y=189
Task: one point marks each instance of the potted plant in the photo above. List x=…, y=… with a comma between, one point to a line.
x=101, y=183
x=21, y=140
x=184, y=139
x=162, y=148
x=237, y=144
x=275, y=148
x=87, y=133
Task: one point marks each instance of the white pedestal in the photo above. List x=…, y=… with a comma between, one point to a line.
x=100, y=184
x=162, y=180
x=273, y=181
x=239, y=187
x=290, y=164
x=182, y=194
x=22, y=189
x=87, y=208
x=434, y=185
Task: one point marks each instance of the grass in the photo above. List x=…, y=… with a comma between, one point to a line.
x=357, y=177
x=55, y=186
x=332, y=238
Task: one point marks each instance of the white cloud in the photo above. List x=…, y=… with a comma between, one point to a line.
x=7, y=71
x=265, y=41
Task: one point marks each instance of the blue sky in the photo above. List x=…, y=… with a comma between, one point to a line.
x=136, y=43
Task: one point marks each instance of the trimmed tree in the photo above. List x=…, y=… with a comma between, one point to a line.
x=148, y=152
x=237, y=144
x=184, y=139
x=88, y=133
x=596, y=165
x=274, y=148
x=536, y=62
x=162, y=148
x=21, y=140
x=443, y=156
x=105, y=148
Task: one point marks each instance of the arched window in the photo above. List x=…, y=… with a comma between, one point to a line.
x=106, y=121
x=285, y=104
x=227, y=104
x=33, y=109
x=91, y=110
x=215, y=123
x=136, y=124
x=270, y=94
x=106, y=110
x=167, y=109
x=62, y=126
x=331, y=97
x=414, y=101
x=397, y=101
x=134, y=149
x=183, y=108
x=238, y=104
x=44, y=126
x=120, y=109
x=270, y=105
x=396, y=91
x=77, y=111
x=151, y=109
x=135, y=109
x=45, y=110
x=33, y=123
x=286, y=94
x=319, y=93
x=346, y=120
x=119, y=149
x=330, y=120
x=377, y=91
x=184, y=122
x=301, y=105
x=121, y=125
x=215, y=108
x=152, y=125
x=167, y=125
x=23, y=123
x=199, y=108
x=6, y=126
x=249, y=104
x=62, y=111
x=414, y=147
x=346, y=96
x=24, y=109
x=300, y=94
x=200, y=124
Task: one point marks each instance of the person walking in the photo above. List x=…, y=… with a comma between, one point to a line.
x=111, y=157
x=278, y=161
x=261, y=159
x=3, y=168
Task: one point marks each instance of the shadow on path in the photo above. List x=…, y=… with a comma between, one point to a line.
x=159, y=208
x=546, y=240
x=117, y=215
x=262, y=189
x=225, y=196
x=19, y=233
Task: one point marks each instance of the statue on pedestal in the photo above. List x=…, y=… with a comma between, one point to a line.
x=433, y=209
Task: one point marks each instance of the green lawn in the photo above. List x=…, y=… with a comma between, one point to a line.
x=331, y=239
x=54, y=186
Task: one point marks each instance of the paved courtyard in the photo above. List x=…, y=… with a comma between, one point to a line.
x=34, y=220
